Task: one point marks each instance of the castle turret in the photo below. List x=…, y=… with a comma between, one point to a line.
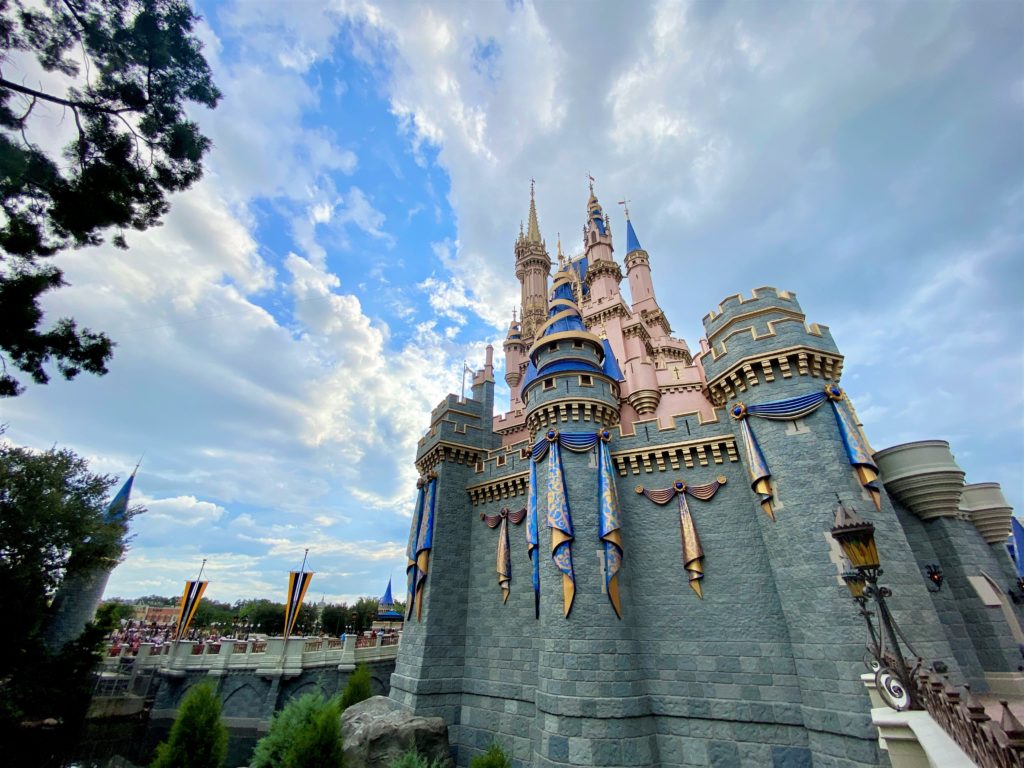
x=533, y=265
x=515, y=359
x=88, y=571
x=764, y=355
x=603, y=273
x=567, y=365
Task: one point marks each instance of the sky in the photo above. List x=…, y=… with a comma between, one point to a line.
x=283, y=336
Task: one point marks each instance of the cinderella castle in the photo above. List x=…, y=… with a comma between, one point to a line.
x=633, y=565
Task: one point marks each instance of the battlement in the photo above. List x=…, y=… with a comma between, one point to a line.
x=762, y=338
x=735, y=304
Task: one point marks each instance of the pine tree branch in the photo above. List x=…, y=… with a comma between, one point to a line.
x=87, y=106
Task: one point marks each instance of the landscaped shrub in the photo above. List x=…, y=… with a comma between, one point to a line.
x=318, y=743
x=303, y=722
x=198, y=739
x=413, y=759
x=494, y=757
x=358, y=688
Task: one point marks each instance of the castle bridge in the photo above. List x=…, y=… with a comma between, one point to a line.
x=253, y=678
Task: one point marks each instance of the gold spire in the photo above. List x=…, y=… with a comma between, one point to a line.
x=561, y=256
x=533, y=230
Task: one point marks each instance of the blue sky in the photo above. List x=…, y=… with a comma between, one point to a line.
x=284, y=335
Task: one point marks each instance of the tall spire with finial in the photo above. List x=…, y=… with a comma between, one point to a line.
x=532, y=229
x=533, y=265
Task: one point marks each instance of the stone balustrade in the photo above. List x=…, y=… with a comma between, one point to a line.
x=272, y=657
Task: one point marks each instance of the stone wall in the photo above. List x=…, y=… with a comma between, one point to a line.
x=249, y=699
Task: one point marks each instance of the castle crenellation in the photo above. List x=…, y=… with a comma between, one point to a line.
x=632, y=564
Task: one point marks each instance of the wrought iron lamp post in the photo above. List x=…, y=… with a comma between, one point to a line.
x=892, y=675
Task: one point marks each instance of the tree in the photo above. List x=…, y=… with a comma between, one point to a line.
x=52, y=519
x=52, y=516
x=130, y=68
x=358, y=688
x=304, y=733
x=198, y=738
x=335, y=619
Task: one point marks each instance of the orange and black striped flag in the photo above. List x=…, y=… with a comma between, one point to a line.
x=298, y=583
x=189, y=602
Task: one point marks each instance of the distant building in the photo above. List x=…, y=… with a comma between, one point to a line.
x=699, y=491
x=160, y=614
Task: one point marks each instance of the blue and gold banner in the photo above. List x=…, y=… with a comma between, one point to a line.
x=532, y=540
x=410, y=550
x=559, y=518
x=760, y=475
x=857, y=451
x=560, y=523
x=856, y=445
x=298, y=583
x=424, y=542
x=610, y=522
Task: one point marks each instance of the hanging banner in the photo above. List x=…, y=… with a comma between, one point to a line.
x=189, y=602
x=298, y=583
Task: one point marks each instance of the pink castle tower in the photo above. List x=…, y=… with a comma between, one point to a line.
x=661, y=379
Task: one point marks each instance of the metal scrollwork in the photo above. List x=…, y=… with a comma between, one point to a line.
x=894, y=692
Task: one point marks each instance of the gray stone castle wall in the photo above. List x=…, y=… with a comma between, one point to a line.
x=764, y=671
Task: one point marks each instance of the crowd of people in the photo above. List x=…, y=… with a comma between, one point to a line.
x=132, y=634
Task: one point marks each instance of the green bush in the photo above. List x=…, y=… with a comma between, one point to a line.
x=305, y=734
x=494, y=757
x=413, y=759
x=318, y=743
x=198, y=738
x=358, y=688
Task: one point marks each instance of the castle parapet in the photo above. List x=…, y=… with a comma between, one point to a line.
x=985, y=505
x=924, y=476
x=754, y=340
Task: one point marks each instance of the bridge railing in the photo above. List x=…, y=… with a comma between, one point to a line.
x=274, y=656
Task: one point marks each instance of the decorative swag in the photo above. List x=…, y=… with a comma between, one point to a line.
x=795, y=408
x=503, y=563
x=693, y=553
x=421, y=538
x=559, y=516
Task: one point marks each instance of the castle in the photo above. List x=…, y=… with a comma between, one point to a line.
x=633, y=566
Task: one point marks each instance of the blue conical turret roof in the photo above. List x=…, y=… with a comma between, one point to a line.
x=632, y=242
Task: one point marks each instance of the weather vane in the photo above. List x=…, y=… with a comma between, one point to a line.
x=625, y=205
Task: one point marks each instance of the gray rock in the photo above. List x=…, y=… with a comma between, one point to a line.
x=377, y=731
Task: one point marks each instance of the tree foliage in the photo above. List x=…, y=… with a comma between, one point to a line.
x=493, y=757
x=358, y=688
x=413, y=759
x=198, y=738
x=52, y=518
x=305, y=734
x=122, y=72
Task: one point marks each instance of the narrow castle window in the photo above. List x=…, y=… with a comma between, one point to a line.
x=586, y=380
x=549, y=383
